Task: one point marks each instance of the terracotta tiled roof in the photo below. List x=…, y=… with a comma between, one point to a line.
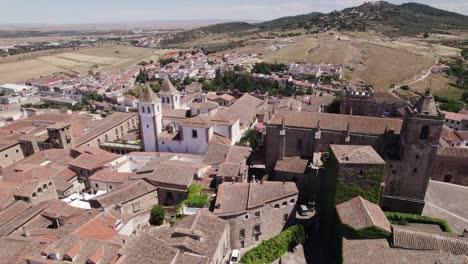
x=411, y=238
x=236, y=198
x=219, y=139
x=203, y=121
x=109, y=176
x=355, y=154
x=169, y=113
x=123, y=194
x=294, y=165
x=378, y=251
x=452, y=152
x=147, y=248
x=204, y=105
x=359, y=213
x=358, y=124
x=245, y=108
x=456, y=116
x=449, y=135
x=179, y=173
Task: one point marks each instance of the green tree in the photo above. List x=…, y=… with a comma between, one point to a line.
x=158, y=213
x=252, y=138
x=334, y=106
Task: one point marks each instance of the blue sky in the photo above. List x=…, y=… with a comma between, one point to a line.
x=102, y=11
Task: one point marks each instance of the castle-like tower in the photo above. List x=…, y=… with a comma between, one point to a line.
x=169, y=95
x=150, y=113
x=407, y=177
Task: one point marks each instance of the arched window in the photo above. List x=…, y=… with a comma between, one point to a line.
x=142, y=109
x=424, y=133
x=276, y=206
x=149, y=111
x=284, y=204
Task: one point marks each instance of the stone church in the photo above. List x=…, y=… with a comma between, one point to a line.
x=408, y=146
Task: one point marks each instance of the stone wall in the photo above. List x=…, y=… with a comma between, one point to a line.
x=271, y=222
x=451, y=169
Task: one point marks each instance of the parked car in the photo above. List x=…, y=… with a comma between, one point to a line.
x=235, y=257
x=303, y=210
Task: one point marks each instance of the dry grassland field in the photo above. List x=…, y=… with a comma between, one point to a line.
x=367, y=58
x=440, y=86
x=111, y=59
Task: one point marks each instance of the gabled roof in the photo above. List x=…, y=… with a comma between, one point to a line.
x=245, y=108
x=355, y=154
x=359, y=213
x=237, y=198
x=124, y=193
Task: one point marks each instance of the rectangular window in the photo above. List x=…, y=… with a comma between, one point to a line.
x=242, y=244
x=256, y=229
x=194, y=133
x=285, y=218
x=257, y=238
x=257, y=214
x=242, y=234
x=299, y=144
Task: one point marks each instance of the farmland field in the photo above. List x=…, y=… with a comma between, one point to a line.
x=110, y=59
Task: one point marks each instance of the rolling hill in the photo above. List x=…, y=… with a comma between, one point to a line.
x=230, y=27
x=407, y=19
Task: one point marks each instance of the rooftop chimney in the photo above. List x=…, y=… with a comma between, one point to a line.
x=26, y=232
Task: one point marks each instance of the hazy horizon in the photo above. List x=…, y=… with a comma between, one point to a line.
x=55, y=12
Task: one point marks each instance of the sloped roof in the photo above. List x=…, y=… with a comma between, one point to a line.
x=412, y=238
x=359, y=213
x=245, y=108
x=168, y=88
x=124, y=193
x=148, y=96
x=294, y=165
x=378, y=251
x=355, y=154
x=236, y=198
x=203, y=121
x=357, y=124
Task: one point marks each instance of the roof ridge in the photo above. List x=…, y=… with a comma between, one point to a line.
x=369, y=217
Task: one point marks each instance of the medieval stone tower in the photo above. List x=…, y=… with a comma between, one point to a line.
x=407, y=177
x=60, y=136
x=150, y=113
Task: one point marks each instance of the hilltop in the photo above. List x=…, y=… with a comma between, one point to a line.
x=409, y=19
x=230, y=27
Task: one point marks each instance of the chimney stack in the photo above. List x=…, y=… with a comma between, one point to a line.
x=26, y=232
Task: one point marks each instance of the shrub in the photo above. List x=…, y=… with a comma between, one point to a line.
x=272, y=249
x=403, y=219
x=405, y=87
x=157, y=215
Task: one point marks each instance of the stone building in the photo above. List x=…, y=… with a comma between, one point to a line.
x=370, y=103
x=130, y=198
x=355, y=167
x=408, y=146
x=256, y=211
x=451, y=166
